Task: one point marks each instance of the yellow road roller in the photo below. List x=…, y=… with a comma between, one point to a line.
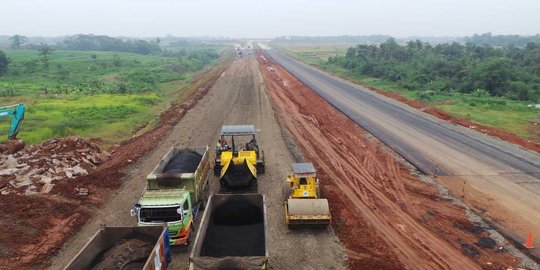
x=304, y=206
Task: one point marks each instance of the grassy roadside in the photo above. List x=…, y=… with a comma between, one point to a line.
x=509, y=115
x=59, y=104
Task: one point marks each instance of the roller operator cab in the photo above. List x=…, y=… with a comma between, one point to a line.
x=238, y=159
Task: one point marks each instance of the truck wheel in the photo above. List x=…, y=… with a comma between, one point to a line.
x=201, y=207
x=260, y=168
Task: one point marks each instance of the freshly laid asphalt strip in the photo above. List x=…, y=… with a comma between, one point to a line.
x=348, y=99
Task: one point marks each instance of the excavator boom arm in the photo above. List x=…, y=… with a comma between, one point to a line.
x=17, y=116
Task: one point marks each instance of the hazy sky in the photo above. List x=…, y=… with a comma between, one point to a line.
x=235, y=18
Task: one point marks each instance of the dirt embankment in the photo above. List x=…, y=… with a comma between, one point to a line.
x=386, y=216
x=33, y=227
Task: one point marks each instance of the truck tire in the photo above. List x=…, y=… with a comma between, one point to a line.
x=260, y=168
x=202, y=204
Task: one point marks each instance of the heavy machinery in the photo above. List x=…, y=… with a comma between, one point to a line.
x=304, y=206
x=233, y=234
x=238, y=163
x=176, y=185
x=17, y=116
x=125, y=248
x=183, y=167
x=170, y=207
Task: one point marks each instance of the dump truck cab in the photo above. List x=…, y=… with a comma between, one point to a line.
x=238, y=157
x=303, y=181
x=171, y=207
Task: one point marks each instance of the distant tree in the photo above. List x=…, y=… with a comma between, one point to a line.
x=30, y=66
x=4, y=62
x=17, y=41
x=158, y=40
x=45, y=89
x=45, y=52
x=117, y=62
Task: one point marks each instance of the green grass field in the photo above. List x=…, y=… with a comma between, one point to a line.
x=510, y=115
x=314, y=54
x=91, y=94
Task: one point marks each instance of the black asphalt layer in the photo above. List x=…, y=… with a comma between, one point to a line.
x=183, y=162
x=374, y=113
x=236, y=228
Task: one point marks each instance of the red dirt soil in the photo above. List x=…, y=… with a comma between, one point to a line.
x=495, y=132
x=384, y=214
x=34, y=228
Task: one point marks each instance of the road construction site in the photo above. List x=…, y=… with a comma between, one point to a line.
x=385, y=213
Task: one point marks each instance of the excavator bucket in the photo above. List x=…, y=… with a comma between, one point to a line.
x=307, y=212
x=237, y=176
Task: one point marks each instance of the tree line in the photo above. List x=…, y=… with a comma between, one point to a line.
x=83, y=42
x=502, y=40
x=106, y=43
x=509, y=71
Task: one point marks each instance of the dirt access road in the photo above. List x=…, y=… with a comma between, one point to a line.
x=238, y=97
x=496, y=178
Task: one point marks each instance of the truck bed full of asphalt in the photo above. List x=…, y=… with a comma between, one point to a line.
x=236, y=228
x=183, y=162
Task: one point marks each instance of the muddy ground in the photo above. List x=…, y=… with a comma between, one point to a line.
x=385, y=214
x=238, y=97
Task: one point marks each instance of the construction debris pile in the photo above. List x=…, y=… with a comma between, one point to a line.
x=36, y=168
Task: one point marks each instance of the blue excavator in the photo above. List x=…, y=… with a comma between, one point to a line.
x=17, y=116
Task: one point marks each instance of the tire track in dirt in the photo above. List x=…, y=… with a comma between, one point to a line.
x=402, y=221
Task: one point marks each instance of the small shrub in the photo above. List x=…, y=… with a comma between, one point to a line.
x=480, y=93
